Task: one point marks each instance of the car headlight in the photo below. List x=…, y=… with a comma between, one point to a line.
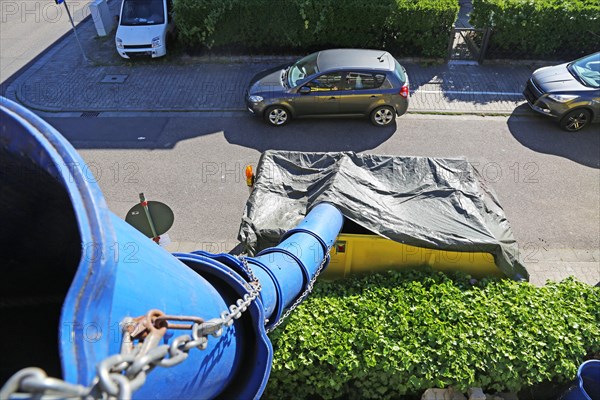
x=156, y=42
x=562, y=98
x=119, y=43
x=255, y=99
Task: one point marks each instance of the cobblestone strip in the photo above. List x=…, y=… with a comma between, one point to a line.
x=220, y=87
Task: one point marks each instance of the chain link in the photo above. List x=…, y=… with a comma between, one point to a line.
x=300, y=299
x=35, y=380
x=253, y=279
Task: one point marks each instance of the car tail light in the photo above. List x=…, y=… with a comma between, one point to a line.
x=404, y=90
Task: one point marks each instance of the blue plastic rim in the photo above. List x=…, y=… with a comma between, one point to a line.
x=587, y=384
x=588, y=375
x=121, y=274
x=89, y=298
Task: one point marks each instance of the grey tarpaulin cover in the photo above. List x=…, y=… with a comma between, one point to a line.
x=435, y=203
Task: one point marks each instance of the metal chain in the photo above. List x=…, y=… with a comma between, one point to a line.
x=253, y=279
x=306, y=292
x=118, y=376
x=35, y=380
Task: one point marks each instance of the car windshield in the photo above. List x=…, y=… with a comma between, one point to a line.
x=587, y=70
x=143, y=12
x=302, y=68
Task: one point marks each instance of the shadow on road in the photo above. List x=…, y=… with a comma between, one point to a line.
x=582, y=148
x=315, y=134
x=118, y=133
x=311, y=134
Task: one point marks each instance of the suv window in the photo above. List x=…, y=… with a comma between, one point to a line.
x=364, y=81
x=326, y=82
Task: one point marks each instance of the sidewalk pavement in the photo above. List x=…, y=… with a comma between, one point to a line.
x=62, y=82
x=545, y=264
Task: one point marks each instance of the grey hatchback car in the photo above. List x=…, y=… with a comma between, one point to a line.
x=332, y=82
x=569, y=92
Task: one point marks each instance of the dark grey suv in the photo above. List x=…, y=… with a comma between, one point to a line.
x=569, y=92
x=332, y=82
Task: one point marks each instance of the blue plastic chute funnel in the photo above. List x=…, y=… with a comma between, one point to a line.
x=587, y=384
x=74, y=269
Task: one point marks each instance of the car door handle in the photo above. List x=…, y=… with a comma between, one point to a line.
x=332, y=98
x=374, y=96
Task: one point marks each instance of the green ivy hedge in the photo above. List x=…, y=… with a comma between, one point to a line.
x=405, y=27
x=544, y=29
x=399, y=333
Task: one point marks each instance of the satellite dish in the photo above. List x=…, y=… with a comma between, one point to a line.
x=152, y=218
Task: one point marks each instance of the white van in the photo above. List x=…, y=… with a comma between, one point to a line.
x=144, y=28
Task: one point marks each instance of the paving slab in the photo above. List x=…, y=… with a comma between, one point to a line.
x=206, y=86
x=586, y=272
x=552, y=265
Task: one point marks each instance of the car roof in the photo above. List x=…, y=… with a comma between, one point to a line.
x=355, y=58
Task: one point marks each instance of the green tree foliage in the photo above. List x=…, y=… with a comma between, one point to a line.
x=405, y=27
x=546, y=29
x=388, y=335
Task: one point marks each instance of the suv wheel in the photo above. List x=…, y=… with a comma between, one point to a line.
x=277, y=115
x=382, y=116
x=575, y=120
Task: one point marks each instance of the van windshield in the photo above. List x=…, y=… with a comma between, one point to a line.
x=143, y=12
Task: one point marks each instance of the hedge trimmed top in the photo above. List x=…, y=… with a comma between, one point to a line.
x=405, y=27
x=402, y=332
x=550, y=29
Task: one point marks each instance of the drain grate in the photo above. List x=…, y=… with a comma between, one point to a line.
x=114, y=78
x=90, y=114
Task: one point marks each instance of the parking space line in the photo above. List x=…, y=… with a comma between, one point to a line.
x=466, y=92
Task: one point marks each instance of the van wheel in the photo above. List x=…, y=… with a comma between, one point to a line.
x=277, y=116
x=575, y=120
x=382, y=116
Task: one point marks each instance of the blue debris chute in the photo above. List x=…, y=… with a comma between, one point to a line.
x=74, y=268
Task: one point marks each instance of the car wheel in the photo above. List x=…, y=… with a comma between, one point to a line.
x=277, y=115
x=382, y=116
x=575, y=120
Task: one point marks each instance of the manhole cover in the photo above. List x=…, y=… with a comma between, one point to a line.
x=114, y=78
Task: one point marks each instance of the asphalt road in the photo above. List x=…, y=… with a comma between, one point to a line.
x=547, y=181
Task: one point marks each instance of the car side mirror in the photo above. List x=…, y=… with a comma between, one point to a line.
x=117, y=19
x=304, y=90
